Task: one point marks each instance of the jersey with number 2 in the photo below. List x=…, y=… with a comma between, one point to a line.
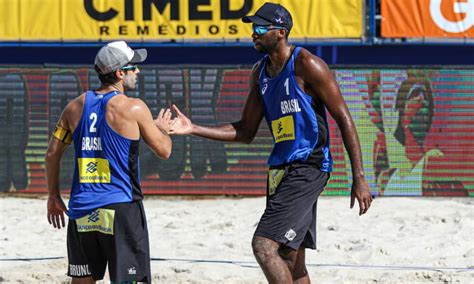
x=107, y=165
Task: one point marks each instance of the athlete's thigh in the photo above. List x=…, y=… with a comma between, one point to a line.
x=85, y=257
x=129, y=254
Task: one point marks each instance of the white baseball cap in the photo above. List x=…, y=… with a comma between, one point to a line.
x=116, y=55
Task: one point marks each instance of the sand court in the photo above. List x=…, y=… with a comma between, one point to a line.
x=207, y=240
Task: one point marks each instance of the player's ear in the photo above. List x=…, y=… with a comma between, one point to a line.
x=119, y=73
x=282, y=32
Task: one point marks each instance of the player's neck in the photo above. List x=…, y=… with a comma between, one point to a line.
x=278, y=59
x=107, y=88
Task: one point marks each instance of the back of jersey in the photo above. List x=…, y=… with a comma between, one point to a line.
x=107, y=164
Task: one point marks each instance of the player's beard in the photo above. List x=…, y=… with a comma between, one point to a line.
x=130, y=82
x=269, y=46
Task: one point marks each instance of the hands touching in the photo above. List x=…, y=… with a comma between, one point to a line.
x=180, y=124
x=177, y=125
x=163, y=121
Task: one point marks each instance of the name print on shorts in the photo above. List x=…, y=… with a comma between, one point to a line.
x=79, y=270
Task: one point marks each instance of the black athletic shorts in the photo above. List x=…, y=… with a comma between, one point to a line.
x=116, y=235
x=292, y=195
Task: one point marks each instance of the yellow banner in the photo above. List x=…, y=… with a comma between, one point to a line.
x=165, y=20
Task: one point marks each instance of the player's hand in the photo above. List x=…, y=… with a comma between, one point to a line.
x=180, y=124
x=163, y=120
x=56, y=209
x=361, y=192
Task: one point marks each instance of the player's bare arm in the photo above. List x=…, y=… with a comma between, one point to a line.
x=154, y=132
x=320, y=83
x=243, y=131
x=61, y=138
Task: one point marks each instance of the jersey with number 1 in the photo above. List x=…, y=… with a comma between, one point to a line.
x=107, y=165
x=296, y=120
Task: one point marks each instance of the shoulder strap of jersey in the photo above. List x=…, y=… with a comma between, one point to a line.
x=296, y=51
x=261, y=66
x=106, y=99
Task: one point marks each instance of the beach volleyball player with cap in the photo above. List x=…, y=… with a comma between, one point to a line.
x=292, y=89
x=107, y=223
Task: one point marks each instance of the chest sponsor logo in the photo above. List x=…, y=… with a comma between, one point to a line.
x=283, y=129
x=93, y=170
x=100, y=220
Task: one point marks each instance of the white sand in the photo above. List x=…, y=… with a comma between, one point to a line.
x=400, y=240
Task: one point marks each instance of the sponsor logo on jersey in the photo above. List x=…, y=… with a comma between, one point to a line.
x=283, y=129
x=93, y=170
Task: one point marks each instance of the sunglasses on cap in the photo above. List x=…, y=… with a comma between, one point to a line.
x=261, y=30
x=129, y=68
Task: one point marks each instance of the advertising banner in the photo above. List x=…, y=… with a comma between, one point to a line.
x=169, y=20
x=427, y=18
x=415, y=127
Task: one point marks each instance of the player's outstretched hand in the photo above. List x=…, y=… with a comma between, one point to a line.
x=180, y=124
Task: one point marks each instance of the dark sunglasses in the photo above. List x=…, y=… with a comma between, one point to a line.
x=261, y=30
x=129, y=68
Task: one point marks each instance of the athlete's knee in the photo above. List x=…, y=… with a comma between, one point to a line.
x=299, y=271
x=264, y=248
x=289, y=256
x=300, y=274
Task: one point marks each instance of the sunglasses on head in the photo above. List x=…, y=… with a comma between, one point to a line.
x=261, y=30
x=129, y=68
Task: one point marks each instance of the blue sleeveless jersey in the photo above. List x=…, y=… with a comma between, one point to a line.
x=297, y=122
x=107, y=165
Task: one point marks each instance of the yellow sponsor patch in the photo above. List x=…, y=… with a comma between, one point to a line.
x=93, y=170
x=100, y=220
x=283, y=129
x=274, y=179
